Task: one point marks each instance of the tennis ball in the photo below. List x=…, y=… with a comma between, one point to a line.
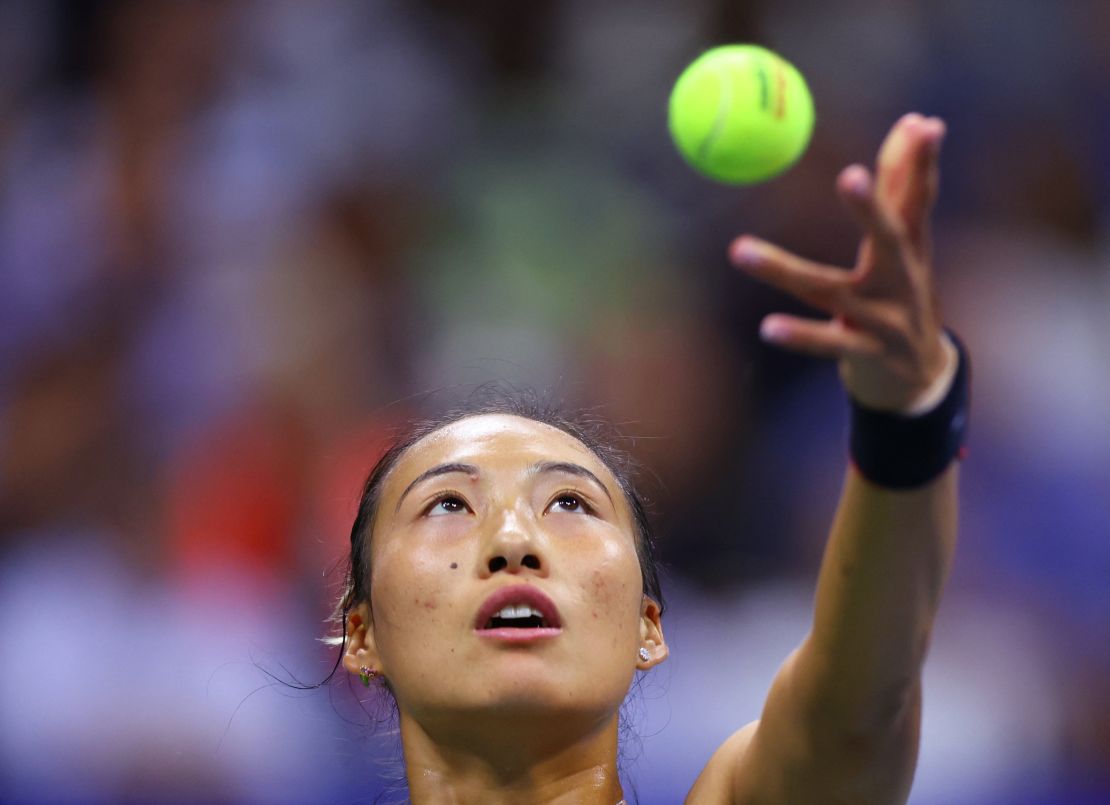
x=740, y=114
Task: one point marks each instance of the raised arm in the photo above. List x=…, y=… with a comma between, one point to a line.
x=841, y=722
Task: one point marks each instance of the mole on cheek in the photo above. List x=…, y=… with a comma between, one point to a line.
x=454, y=565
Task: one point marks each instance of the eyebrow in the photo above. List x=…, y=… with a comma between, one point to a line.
x=571, y=469
x=439, y=469
x=469, y=469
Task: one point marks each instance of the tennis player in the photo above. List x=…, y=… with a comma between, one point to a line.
x=503, y=588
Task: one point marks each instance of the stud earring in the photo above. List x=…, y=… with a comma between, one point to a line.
x=366, y=674
x=644, y=656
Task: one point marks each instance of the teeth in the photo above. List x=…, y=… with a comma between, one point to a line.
x=522, y=611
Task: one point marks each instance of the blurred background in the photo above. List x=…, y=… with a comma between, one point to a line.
x=242, y=242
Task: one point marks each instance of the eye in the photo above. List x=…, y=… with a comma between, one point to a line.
x=447, y=503
x=571, y=503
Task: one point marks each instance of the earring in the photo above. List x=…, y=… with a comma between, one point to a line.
x=644, y=656
x=366, y=674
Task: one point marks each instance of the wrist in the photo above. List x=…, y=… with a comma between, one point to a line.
x=932, y=396
x=909, y=448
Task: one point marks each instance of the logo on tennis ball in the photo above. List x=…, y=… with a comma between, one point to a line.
x=741, y=114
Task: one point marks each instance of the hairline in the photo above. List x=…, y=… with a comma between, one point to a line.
x=616, y=476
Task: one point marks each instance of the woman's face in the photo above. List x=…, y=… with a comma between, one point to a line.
x=504, y=577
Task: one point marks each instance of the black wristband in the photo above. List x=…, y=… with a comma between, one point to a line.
x=899, y=451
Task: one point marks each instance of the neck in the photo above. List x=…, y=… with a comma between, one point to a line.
x=510, y=761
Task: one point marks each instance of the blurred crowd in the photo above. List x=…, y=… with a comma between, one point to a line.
x=243, y=242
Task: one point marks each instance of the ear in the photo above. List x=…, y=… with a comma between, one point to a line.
x=651, y=635
x=361, y=651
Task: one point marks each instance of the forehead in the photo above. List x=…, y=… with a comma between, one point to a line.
x=497, y=441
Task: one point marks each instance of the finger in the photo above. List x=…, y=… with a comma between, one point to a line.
x=822, y=339
x=829, y=289
x=892, y=166
x=907, y=174
x=926, y=166
x=819, y=286
x=913, y=196
x=922, y=195
x=858, y=191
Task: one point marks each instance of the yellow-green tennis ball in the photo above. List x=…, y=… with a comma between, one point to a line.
x=741, y=114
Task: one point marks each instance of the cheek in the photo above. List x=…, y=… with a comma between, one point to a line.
x=614, y=591
x=409, y=590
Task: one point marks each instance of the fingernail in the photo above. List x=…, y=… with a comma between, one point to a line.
x=772, y=330
x=936, y=131
x=858, y=183
x=745, y=252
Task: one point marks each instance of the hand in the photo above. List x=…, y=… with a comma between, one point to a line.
x=885, y=328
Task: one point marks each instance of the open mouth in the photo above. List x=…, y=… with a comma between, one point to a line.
x=518, y=612
x=517, y=617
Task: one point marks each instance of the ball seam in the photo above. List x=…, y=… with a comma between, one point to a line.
x=724, y=103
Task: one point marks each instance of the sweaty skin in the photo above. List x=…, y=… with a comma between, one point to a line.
x=488, y=721
x=842, y=721
x=535, y=722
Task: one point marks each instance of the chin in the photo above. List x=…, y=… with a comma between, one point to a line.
x=514, y=708
x=530, y=695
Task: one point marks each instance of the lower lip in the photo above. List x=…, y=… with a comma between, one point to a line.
x=508, y=635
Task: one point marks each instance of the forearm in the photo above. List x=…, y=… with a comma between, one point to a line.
x=881, y=578
x=841, y=722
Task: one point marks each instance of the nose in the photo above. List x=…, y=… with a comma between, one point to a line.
x=514, y=546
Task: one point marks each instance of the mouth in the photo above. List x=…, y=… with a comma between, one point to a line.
x=518, y=613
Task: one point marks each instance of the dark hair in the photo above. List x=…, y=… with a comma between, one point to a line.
x=596, y=435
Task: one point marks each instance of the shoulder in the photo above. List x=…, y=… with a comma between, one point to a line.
x=719, y=782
